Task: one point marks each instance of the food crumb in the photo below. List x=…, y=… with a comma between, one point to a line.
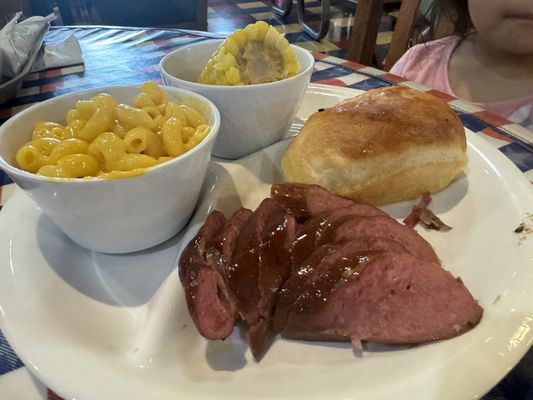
x=525, y=228
x=520, y=228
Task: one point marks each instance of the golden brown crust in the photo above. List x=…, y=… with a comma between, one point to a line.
x=385, y=145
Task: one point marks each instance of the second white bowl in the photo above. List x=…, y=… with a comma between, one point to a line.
x=252, y=116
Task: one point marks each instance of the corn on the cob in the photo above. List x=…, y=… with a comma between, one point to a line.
x=256, y=54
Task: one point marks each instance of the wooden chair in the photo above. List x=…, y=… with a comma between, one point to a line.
x=362, y=40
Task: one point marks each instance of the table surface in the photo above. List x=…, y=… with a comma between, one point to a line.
x=128, y=55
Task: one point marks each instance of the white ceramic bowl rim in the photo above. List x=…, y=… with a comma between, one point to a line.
x=92, y=180
x=306, y=53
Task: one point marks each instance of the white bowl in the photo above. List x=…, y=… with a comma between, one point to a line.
x=116, y=215
x=252, y=116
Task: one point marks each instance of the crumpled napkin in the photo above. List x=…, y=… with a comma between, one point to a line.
x=22, y=51
x=18, y=41
x=54, y=55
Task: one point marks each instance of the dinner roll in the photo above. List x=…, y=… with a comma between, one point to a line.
x=386, y=145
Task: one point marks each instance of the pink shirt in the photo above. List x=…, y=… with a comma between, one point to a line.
x=427, y=63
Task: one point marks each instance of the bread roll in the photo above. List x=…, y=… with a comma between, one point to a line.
x=386, y=145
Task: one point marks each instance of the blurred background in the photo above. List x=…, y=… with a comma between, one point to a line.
x=224, y=16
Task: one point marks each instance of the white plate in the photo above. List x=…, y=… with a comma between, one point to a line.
x=95, y=326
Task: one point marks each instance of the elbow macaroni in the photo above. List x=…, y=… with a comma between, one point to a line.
x=109, y=140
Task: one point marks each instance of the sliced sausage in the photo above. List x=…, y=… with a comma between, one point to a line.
x=304, y=201
x=395, y=298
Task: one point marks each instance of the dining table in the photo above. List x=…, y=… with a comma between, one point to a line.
x=126, y=55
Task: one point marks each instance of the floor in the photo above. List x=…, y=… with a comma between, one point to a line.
x=224, y=16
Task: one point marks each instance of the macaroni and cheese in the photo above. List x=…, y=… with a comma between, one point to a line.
x=108, y=140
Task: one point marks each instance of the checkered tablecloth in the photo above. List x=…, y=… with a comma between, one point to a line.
x=123, y=56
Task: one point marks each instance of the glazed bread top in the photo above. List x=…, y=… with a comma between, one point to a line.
x=394, y=139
